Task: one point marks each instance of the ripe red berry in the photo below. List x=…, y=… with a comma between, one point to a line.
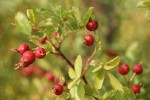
x=58, y=89
x=136, y=89
x=29, y=57
x=23, y=62
x=38, y=71
x=111, y=53
x=123, y=69
x=40, y=53
x=138, y=69
x=88, y=40
x=28, y=71
x=55, y=33
x=43, y=40
x=92, y=25
x=22, y=48
x=49, y=76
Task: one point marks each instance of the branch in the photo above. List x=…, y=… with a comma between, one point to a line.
x=87, y=62
x=61, y=54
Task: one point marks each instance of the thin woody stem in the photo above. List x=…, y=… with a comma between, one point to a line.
x=59, y=53
x=87, y=62
x=132, y=77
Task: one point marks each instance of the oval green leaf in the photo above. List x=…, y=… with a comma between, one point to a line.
x=71, y=84
x=23, y=23
x=99, y=79
x=112, y=63
x=143, y=4
x=72, y=73
x=79, y=95
x=87, y=15
x=97, y=68
x=78, y=66
x=30, y=15
x=114, y=82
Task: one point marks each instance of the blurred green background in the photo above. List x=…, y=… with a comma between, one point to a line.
x=122, y=28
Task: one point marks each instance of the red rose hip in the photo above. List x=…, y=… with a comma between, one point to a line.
x=23, y=48
x=23, y=62
x=58, y=89
x=28, y=71
x=136, y=89
x=29, y=57
x=123, y=69
x=88, y=40
x=92, y=25
x=43, y=40
x=138, y=69
x=49, y=76
x=40, y=53
x=55, y=33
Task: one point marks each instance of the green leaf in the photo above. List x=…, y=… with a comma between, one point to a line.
x=99, y=79
x=87, y=15
x=30, y=15
x=97, y=68
x=72, y=73
x=78, y=66
x=42, y=10
x=118, y=95
x=39, y=34
x=80, y=91
x=77, y=91
x=112, y=63
x=147, y=14
x=77, y=14
x=114, y=82
x=23, y=23
x=88, y=90
x=73, y=91
x=128, y=93
x=143, y=4
x=71, y=84
x=107, y=96
x=130, y=52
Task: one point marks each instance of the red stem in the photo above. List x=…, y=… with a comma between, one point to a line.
x=87, y=62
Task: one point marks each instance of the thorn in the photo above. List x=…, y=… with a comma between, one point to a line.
x=14, y=49
x=17, y=66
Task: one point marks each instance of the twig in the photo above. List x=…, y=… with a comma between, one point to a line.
x=132, y=77
x=61, y=54
x=87, y=62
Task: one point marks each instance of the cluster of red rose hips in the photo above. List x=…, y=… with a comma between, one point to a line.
x=28, y=57
x=137, y=69
x=37, y=71
x=92, y=25
x=32, y=70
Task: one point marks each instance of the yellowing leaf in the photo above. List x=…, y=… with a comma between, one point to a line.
x=80, y=91
x=97, y=68
x=112, y=63
x=72, y=73
x=78, y=66
x=23, y=23
x=87, y=15
x=30, y=15
x=147, y=14
x=71, y=84
x=114, y=82
x=99, y=79
x=143, y=4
